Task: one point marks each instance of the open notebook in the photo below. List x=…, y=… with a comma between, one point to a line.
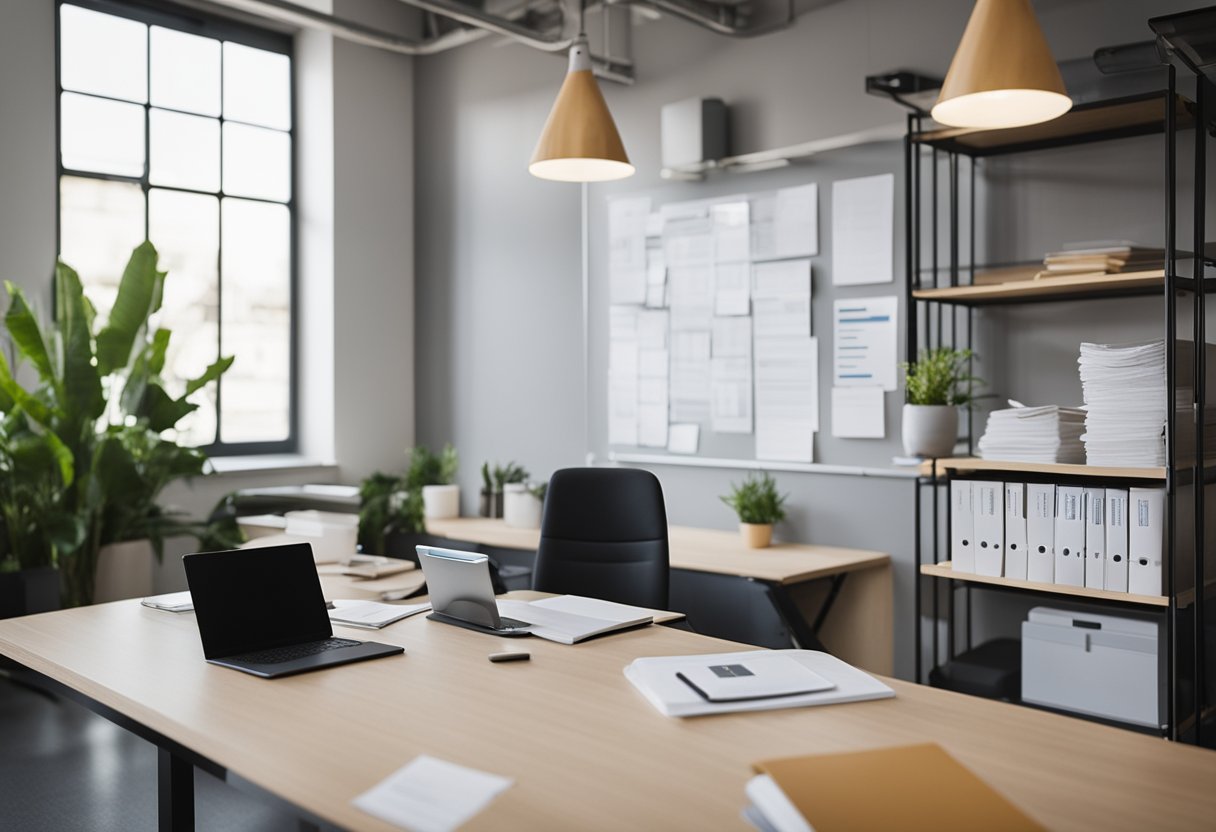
x=572, y=618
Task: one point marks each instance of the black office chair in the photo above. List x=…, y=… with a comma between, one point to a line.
x=604, y=535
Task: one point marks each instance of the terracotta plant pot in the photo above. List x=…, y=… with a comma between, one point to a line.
x=756, y=535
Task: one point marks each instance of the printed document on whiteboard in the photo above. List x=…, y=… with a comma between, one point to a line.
x=864, y=342
x=863, y=230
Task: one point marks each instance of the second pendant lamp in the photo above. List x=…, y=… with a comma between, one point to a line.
x=1003, y=73
x=580, y=142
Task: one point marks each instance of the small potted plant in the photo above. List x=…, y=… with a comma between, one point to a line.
x=758, y=506
x=434, y=475
x=504, y=475
x=936, y=386
x=522, y=504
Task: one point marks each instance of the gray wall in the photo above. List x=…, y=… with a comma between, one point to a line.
x=498, y=257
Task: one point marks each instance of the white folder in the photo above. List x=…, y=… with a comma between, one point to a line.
x=1015, y=530
x=962, y=527
x=1040, y=532
x=1070, y=535
x=1115, y=578
x=1145, y=532
x=988, y=505
x=1095, y=538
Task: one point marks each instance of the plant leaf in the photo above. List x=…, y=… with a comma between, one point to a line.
x=82, y=397
x=26, y=334
x=209, y=375
x=162, y=410
x=137, y=295
x=20, y=397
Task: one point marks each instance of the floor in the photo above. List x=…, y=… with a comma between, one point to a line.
x=63, y=768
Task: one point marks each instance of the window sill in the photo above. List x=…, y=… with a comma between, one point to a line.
x=269, y=463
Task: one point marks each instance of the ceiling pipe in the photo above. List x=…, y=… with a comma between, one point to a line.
x=702, y=14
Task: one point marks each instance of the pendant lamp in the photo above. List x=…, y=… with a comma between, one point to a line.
x=579, y=142
x=1003, y=73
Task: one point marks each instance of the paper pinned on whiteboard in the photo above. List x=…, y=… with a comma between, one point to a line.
x=732, y=289
x=731, y=397
x=858, y=413
x=732, y=338
x=683, y=438
x=863, y=230
x=782, y=298
x=787, y=398
x=785, y=223
x=864, y=342
x=627, y=220
x=732, y=233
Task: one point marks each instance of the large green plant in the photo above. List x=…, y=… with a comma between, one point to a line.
x=940, y=377
x=83, y=452
x=388, y=501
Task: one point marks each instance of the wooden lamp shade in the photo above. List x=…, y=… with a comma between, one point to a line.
x=1003, y=73
x=580, y=142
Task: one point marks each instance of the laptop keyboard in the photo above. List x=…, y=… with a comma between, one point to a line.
x=291, y=652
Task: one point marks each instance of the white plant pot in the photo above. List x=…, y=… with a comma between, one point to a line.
x=124, y=570
x=520, y=507
x=441, y=502
x=930, y=430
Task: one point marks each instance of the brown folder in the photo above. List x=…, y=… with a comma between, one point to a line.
x=914, y=787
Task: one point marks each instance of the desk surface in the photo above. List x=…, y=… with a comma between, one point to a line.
x=585, y=749
x=701, y=550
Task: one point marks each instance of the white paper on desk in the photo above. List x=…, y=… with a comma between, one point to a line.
x=683, y=439
x=732, y=289
x=690, y=380
x=627, y=220
x=864, y=343
x=731, y=395
x=732, y=233
x=787, y=398
x=431, y=795
x=781, y=300
x=858, y=413
x=863, y=230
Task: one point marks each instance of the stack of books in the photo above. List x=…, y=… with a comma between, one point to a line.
x=1125, y=399
x=1112, y=257
x=1034, y=434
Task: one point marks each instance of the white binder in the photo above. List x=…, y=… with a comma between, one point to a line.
x=988, y=505
x=962, y=527
x=1015, y=530
x=1040, y=532
x=1070, y=535
x=1095, y=538
x=1115, y=578
x=1145, y=533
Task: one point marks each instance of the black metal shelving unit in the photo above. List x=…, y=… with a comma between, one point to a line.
x=940, y=301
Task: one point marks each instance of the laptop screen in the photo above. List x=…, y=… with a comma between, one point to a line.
x=256, y=599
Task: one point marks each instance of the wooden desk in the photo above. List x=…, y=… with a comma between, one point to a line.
x=585, y=749
x=805, y=582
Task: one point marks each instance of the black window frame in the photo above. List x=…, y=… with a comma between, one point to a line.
x=195, y=22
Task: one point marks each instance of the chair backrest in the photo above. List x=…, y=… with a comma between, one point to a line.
x=604, y=535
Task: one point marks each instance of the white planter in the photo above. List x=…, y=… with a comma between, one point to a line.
x=930, y=430
x=124, y=570
x=441, y=502
x=520, y=507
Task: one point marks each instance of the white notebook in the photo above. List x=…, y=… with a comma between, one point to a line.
x=372, y=615
x=765, y=676
x=569, y=619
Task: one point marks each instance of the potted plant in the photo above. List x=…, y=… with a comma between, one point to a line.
x=936, y=386
x=434, y=474
x=758, y=506
x=494, y=486
x=522, y=504
x=87, y=451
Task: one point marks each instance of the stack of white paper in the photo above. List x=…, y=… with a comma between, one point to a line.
x=1034, y=434
x=1125, y=396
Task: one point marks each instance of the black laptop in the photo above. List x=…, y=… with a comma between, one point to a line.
x=261, y=611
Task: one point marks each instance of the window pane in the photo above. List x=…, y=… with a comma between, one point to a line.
x=100, y=224
x=257, y=86
x=185, y=71
x=103, y=54
x=185, y=228
x=257, y=162
x=256, y=310
x=101, y=136
x=185, y=151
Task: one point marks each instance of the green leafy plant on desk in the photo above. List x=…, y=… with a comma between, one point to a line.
x=758, y=505
x=493, y=482
x=394, y=502
x=935, y=387
x=87, y=449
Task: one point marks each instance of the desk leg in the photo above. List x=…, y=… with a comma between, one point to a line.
x=861, y=627
x=175, y=792
x=803, y=634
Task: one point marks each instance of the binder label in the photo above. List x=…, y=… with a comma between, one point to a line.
x=1070, y=507
x=1117, y=510
x=1142, y=513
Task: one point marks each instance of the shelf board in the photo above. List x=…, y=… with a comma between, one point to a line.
x=1097, y=121
x=1055, y=469
x=1070, y=287
x=945, y=569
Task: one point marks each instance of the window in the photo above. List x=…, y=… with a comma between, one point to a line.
x=177, y=127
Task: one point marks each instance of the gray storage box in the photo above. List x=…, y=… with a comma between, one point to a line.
x=1100, y=665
